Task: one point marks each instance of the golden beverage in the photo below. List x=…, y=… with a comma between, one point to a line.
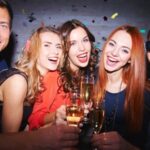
x=96, y=118
x=74, y=115
x=86, y=91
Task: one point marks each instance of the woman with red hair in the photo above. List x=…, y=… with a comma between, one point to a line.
x=121, y=86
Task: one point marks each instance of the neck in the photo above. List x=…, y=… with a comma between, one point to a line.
x=115, y=82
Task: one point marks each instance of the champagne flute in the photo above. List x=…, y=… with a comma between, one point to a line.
x=86, y=92
x=74, y=111
x=97, y=116
x=97, y=113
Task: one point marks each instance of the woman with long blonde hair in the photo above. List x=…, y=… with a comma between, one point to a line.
x=26, y=81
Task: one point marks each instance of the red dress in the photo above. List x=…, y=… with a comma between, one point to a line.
x=48, y=101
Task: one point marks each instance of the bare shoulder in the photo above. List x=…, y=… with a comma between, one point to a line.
x=15, y=87
x=16, y=80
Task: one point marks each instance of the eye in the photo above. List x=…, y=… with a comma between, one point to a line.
x=4, y=26
x=125, y=50
x=59, y=46
x=72, y=43
x=86, y=40
x=111, y=43
x=46, y=45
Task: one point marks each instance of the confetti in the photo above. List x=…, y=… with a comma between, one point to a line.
x=142, y=30
x=104, y=38
x=105, y=18
x=93, y=21
x=31, y=17
x=114, y=15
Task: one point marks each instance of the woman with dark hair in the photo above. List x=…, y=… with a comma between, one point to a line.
x=122, y=86
x=80, y=56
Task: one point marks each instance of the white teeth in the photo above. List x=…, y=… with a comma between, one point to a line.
x=111, y=59
x=82, y=55
x=53, y=59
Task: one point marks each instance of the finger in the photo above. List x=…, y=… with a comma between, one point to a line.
x=61, y=122
x=71, y=136
x=71, y=129
x=69, y=143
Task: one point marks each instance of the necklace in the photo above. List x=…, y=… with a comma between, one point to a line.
x=109, y=122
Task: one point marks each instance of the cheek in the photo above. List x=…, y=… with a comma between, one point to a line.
x=60, y=54
x=126, y=59
x=71, y=53
x=88, y=47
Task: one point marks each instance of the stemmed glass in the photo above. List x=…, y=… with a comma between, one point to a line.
x=86, y=92
x=74, y=111
x=97, y=113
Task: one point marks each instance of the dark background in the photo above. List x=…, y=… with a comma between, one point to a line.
x=96, y=14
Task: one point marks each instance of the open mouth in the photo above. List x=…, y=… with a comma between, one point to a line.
x=83, y=57
x=111, y=61
x=53, y=60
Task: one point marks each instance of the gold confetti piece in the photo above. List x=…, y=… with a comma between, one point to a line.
x=114, y=15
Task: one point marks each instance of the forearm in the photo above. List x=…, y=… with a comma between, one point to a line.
x=25, y=141
x=49, y=118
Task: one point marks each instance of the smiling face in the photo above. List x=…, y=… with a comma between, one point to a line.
x=50, y=52
x=117, y=52
x=4, y=28
x=80, y=48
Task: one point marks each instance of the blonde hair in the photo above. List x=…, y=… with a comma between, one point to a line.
x=28, y=62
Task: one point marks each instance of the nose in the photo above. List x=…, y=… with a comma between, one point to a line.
x=81, y=46
x=115, y=51
x=54, y=50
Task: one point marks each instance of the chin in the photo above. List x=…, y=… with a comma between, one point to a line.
x=84, y=65
x=52, y=68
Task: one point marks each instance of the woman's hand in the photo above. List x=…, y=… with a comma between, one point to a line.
x=61, y=115
x=111, y=141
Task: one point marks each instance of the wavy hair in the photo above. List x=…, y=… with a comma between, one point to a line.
x=69, y=79
x=133, y=75
x=28, y=62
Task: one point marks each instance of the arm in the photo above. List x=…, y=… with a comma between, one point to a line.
x=14, y=91
x=53, y=138
x=44, y=112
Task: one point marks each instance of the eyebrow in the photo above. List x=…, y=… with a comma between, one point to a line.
x=122, y=46
x=83, y=38
x=3, y=22
x=113, y=41
x=47, y=42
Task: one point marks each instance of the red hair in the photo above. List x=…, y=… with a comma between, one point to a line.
x=134, y=77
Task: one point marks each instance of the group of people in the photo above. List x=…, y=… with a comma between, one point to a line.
x=52, y=64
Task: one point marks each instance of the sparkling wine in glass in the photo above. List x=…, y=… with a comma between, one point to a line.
x=86, y=88
x=86, y=92
x=74, y=111
x=97, y=117
x=97, y=113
